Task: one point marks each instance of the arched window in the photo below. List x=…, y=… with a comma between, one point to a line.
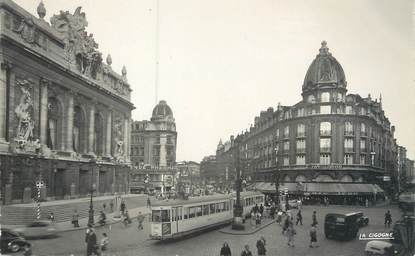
x=324, y=178
x=346, y=178
x=348, y=128
x=54, y=125
x=79, y=130
x=300, y=178
x=99, y=135
x=287, y=178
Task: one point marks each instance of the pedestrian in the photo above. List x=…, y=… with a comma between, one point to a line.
x=225, y=250
x=112, y=205
x=313, y=236
x=104, y=206
x=299, y=218
x=75, y=219
x=258, y=219
x=260, y=245
x=104, y=242
x=367, y=203
x=256, y=209
x=272, y=211
x=290, y=234
x=286, y=224
x=246, y=251
x=253, y=219
x=314, y=218
x=122, y=207
x=91, y=243
x=51, y=217
x=140, y=219
x=261, y=210
x=388, y=219
x=148, y=202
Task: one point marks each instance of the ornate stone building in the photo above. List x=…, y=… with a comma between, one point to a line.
x=153, y=150
x=64, y=115
x=329, y=143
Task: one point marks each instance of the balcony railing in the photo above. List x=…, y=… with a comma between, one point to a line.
x=300, y=150
x=349, y=133
x=325, y=133
x=301, y=134
x=349, y=150
x=325, y=149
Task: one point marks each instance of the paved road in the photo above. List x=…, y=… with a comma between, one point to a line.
x=130, y=241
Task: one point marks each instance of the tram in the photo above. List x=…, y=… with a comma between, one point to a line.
x=177, y=218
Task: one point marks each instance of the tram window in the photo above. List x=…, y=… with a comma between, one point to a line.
x=199, y=211
x=192, y=212
x=160, y=216
x=206, y=210
x=212, y=208
x=186, y=213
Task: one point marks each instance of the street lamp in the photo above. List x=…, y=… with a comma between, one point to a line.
x=91, y=190
x=237, y=211
x=277, y=178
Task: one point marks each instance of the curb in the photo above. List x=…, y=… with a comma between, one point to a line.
x=250, y=232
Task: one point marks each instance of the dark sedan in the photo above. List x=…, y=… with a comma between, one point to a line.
x=11, y=241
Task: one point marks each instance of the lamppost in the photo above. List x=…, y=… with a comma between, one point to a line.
x=277, y=179
x=91, y=190
x=237, y=211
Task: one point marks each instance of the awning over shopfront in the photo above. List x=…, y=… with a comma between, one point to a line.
x=321, y=188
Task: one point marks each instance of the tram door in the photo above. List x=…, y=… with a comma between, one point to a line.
x=177, y=216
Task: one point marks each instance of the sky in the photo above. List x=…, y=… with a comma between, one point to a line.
x=221, y=62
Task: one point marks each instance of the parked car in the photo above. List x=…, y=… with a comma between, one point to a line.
x=37, y=229
x=380, y=248
x=11, y=241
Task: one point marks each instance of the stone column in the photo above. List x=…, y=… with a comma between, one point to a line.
x=91, y=130
x=5, y=67
x=126, y=137
x=43, y=111
x=109, y=134
x=69, y=120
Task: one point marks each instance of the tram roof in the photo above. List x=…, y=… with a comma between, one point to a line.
x=202, y=199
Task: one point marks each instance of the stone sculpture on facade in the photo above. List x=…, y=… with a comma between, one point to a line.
x=27, y=30
x=119, y=142
x=25, y=124
x=80, y=47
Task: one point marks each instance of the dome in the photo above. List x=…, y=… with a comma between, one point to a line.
x=325, y=71
x=162, y=111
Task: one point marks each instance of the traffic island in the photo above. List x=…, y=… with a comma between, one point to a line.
x=247, y=227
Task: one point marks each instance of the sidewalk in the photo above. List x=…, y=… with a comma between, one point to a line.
x=249, y=229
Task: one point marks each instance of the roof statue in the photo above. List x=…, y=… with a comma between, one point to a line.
x=80, y=47
x=41, y=10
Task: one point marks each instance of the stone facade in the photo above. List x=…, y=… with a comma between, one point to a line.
x=153, y=149
x=64, y=115
x=329, y=136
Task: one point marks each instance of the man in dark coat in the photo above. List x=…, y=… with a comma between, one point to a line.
x=260, y=245
x=91, y=243
x=314, y=218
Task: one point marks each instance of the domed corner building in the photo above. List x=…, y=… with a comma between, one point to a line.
x=330, y=145
x=153, y=150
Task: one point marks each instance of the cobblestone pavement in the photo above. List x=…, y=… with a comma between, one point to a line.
x=131, y=241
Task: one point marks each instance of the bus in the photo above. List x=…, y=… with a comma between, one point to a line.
x=177, y=218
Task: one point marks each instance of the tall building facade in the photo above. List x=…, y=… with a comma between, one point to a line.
x=153, y=150
x=330, y=143
x=64, y=114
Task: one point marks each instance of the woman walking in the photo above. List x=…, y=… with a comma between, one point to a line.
x=260, y=245
x=225, y=250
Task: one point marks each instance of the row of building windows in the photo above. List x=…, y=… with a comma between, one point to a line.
x=325, y=159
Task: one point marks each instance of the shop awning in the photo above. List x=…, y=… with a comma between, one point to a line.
x=321, y=188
